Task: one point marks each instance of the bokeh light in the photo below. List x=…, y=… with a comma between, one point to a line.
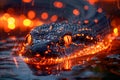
x=94, y=1
x=100, y=10
x=11, y=20
x=58, y=4
x=54, y=18
x=44, y=15
x=27, y=22
x=11, y=26
x=115, y=30
x=26, y=1
x=31, y=14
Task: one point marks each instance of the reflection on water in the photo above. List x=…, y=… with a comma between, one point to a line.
x=102, y=66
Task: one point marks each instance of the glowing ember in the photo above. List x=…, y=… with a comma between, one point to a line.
x=100, y=10
x=96, y=20
x=88, y=50
x=26, y=1
x=115, y=31
x=11, y=20
x=11, y=23
x=31, y=14
x=67, y=64
x=67, y=40
x=92, y=1
x=11, y=26
x=44, y=15
x=58, y=4
x=76, y=12
x=27, y=22
x=54, y=18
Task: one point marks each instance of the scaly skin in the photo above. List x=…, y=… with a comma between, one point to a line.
x=48, y=39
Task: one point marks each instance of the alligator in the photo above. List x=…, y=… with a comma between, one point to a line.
x=72, y=33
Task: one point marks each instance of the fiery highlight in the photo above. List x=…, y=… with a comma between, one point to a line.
x=58, y=4
x=76, y=12
x=27, y=22
x=44, y=15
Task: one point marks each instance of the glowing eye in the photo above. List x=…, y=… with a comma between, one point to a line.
x=67, y=39
x=29, y=39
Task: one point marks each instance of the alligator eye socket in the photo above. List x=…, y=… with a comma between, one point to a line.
x=28, y=39
x=67, y=40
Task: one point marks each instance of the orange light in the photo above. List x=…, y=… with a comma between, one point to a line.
x=96, y=20
x=76, y=12
x=26, y=1
x=31, y=14
x=11, y=20
x=5, y=16
x=92, y=1
x=44, y=15
x=115, y=31
x=67, y=64
x=86, y=21
x=6, y=29
x=11, y=26
x=54, y=18
x=27, y=22
x=100, y=10
x=29, y=39
x=11, y=23
x=58, y=4
x=37, y=22
x=67, y=39
x=86, y=7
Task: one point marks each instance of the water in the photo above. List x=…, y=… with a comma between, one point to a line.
x=104, y=66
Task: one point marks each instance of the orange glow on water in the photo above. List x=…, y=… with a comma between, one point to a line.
x=31, y=14
x=76, y=12
x=37, y=22
x=66, y=60
x=67, y=65
x=44, y=15
x=58, y=4
x=90, y=50
x=27, y=22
